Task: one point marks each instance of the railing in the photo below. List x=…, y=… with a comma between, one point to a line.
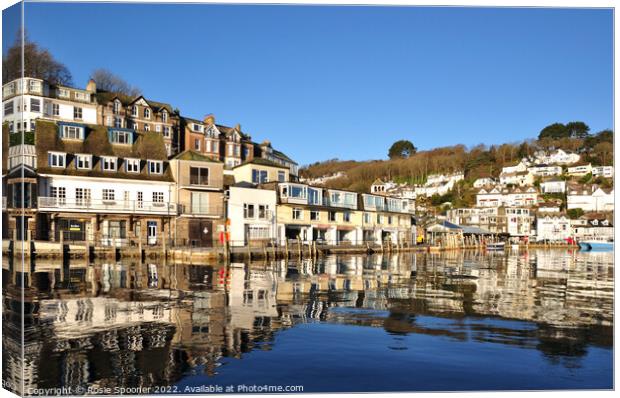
x=114, y=206
x=201, y=210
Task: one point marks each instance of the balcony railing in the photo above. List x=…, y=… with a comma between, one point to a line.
x=201, y=210
x=110, y=206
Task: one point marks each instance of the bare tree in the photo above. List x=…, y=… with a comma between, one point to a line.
x=108, y=81
x=38, y=63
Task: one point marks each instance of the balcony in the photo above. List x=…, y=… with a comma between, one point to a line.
x=105, y=206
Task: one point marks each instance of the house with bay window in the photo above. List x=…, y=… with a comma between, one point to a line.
x=108, y=185
x=199, y=195
x=252, y=214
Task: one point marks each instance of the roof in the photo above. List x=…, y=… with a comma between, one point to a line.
x=262, y=162
x=244, y=184
x=378, y=181
x=195, y=156
x=107, y=96
x=283, y=156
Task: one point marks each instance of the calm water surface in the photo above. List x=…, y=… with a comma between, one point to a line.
x=541, y=319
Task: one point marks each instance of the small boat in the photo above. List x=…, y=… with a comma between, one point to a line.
x=496, y=246
x=596, y=245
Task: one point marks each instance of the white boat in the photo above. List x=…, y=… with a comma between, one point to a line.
x=496, y=246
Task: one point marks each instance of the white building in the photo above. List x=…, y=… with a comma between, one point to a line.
x=498, y=196
x=520, y=178
x=483, y=182
x=517, y=168
x=603, y=171
x=594, y=226
x=560, y=156
x=553, y=228
x=590, y=199
x=25, y=100
x=579, y=170
x=553, y=186
x=542, y=170
x=252, y=214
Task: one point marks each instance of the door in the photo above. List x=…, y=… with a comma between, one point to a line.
x=151, y=232
x=200, y=233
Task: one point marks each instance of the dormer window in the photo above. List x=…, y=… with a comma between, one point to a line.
x=108, y=163
x=83, y=161
x=121, y=137
x=196, y=127
x=132, y=165
x=57, y=159
x=155, y=166
x=71, y=132
x=164, y=116
x=116, y=107
x=147, y=113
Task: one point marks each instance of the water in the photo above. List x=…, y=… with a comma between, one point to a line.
x=533, y=320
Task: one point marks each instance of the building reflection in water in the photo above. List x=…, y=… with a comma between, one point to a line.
x=131, y=325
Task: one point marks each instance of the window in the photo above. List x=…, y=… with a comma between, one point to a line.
x=121, y=137
x=147, y=113
x=63, y=93
x=314, y=215
x=134, y=111
x=262, y=211
x=197, y=144
x=259, y=176
x=168, y=149
x=199, y=176
x=164, y=116
x=281, y=176
x=55, y=109
x=35, y=105
x=346, y=216
x=379, y=219
x=390, y=220
x=207, y=146
x=135, y=126
x=118, y=122
x=80, y=96
x=34, y=85
x=196, y=127
x=60, y=194
x=139, y=199
x=166, y=131
x=158, y=128
x=155, y=166
x=82, y=196
x=77, y=113
x=147, y=127
x=248, y=210
x=116, y=108
x=83, y=161
x=57, y=159
x=230, y=150
x=366, y=218
x=108, y=194
x=132, y=165
x=158, y=197
x=72, y=132
x=297, y=214
x=8, y=108
x=108, y=163
x=332, y=216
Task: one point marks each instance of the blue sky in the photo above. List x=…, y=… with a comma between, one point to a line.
x=346, y=82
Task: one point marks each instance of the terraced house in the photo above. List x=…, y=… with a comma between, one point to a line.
x=229, y=145
x=90, y=182
x=138, y=114
x=337, y=217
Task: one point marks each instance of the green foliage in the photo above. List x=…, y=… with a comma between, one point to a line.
x=574, y=213
x=586, y=178
x=401, y=149
x=16, y=138
x=555, y=130
x=577, y=129
x=570, y=130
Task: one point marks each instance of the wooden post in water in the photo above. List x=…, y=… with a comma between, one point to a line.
x=249, y=251
x=299, y=248
x=286, y=248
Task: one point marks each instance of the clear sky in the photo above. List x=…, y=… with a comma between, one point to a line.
x=346, y=82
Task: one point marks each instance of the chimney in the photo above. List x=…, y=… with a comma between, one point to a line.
x=91, y=87
x=238, y=127
x=209, y=119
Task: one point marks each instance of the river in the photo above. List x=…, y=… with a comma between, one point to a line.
x=450, y=321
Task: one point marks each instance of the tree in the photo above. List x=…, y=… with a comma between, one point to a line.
x=401, y=149
x=555, y=130
x=38, y=63
x=108, y=81
x=577, y=129
x=604, y=151
x=574, y=213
